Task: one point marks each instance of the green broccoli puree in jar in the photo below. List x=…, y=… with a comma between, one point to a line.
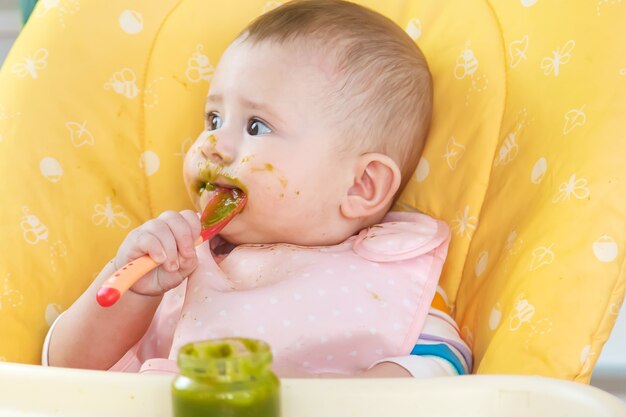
x=226, y=378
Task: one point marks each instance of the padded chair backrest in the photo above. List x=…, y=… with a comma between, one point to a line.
x=533, y=187
x=100, y=100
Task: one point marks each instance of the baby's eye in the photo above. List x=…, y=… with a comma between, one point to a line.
x=257, y=127
x=213, y=121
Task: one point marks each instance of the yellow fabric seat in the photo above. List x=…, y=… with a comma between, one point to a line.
x=100, y=100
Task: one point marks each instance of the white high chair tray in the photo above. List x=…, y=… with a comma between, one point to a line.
x=32, y=391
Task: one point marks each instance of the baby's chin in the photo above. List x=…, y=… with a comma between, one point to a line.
x=240, y=232
x=237, y=233
x=249, y=237
x=246, y=228
x=246, y=238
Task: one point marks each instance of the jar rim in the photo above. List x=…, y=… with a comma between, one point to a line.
x=226, y=359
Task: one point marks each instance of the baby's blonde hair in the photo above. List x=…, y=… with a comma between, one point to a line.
x=385, y=93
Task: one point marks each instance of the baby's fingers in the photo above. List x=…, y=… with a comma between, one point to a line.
x=183, y=232
x=193, y=220
x=161, y=230
x=151, y=245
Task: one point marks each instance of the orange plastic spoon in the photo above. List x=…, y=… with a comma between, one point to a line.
x=224, y=204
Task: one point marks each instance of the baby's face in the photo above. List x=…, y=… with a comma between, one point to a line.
x=270, y=132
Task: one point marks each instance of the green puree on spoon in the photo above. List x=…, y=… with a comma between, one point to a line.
x=223, y=205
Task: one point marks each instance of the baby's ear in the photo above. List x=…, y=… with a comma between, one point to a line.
x=376, y=181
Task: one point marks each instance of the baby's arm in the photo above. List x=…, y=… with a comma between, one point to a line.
x=411, y=366
x=403, y=367
x=439, y=351
x=92, y=337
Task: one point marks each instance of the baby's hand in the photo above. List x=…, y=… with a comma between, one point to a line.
x=170, y=241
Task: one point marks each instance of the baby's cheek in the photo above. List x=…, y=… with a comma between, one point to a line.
x=266, y=200
x=270, y=173
x=268, y=193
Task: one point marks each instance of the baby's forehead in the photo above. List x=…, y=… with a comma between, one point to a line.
x=277, y=65
x=340, y=75
x=292, y=81
x=303, y=50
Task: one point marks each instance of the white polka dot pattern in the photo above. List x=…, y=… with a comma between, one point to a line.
x=308, y=316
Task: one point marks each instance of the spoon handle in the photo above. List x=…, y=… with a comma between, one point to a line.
x=113, y=288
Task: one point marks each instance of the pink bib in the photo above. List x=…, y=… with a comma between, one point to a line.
x=322, y=309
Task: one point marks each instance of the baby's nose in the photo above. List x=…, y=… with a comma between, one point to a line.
x=217, y=151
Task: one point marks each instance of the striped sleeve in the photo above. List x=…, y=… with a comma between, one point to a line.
x=440, y=349
x=441, y=338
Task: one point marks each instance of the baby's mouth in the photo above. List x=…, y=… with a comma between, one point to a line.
x=211, y=179
x=206, y=189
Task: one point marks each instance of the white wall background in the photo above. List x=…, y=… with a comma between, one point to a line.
x=9, y=25
x=610, y=372
x=614, y=353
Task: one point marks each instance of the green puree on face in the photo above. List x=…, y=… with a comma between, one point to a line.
x=226, y=378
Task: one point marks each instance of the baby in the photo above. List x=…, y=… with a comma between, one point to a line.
x=318, y=111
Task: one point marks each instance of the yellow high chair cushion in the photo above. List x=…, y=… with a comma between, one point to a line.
x=100, y=100
x=528, y=172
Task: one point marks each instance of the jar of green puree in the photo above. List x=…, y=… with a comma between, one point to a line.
x=226, y=378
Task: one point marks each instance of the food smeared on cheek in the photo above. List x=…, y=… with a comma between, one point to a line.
x=265, y=167
x=270, y=168
x=246, y=159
